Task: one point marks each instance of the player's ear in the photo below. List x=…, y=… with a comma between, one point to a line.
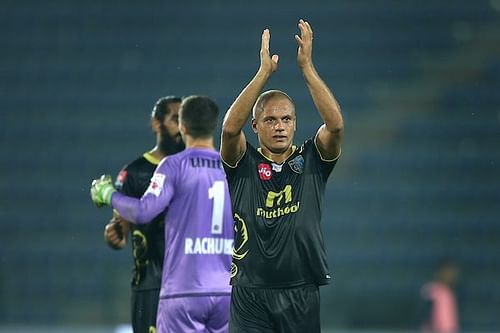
x=254, y=125
x=155, y=125
x=183, y=129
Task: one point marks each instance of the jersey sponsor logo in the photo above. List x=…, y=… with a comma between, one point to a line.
x=279, y=204
x=120, y=179
x=277, y=197
x=297, y=164
x=265, y=172
x=156, y=184
x=278, y=212
x=208, y=245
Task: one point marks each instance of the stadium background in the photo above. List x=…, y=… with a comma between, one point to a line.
x=419, y=83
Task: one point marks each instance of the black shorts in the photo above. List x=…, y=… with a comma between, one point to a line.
x=144, y=306
x=257, y=310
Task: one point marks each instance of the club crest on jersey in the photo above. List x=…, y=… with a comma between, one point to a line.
x=156, y=184
x=297, y=164
x=265, y=172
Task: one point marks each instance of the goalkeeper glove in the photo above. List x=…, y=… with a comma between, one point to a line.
x=101, y=190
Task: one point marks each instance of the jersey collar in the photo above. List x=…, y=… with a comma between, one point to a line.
x=294, y=148
x=151, y=159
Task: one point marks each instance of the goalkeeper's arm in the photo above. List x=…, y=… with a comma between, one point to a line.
x=101, y=191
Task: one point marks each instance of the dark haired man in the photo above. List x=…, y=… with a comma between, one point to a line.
x=195, y=291
x=276, y=192
x=147, y=240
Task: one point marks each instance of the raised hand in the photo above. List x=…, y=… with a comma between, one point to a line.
x=268, y=63
x=304, y=53
x=101, y=190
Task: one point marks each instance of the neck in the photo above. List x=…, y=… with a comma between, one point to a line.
x=278, y=158
x=199, y=143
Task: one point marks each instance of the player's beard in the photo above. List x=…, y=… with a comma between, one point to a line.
x=170, y=145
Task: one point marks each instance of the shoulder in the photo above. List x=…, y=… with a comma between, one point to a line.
x=249, y=155
x=313, y=159
x=309, y=147
x=131, y=169
x=306, y=149
x=175, y=158
x=140, y=164
x=169, y=163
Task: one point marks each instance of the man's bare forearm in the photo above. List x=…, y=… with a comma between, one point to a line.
x=238, y=113
x=323, y=99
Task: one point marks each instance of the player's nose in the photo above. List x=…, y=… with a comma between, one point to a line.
x=279, y=126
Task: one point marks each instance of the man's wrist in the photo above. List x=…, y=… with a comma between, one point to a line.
x=263, y=74
x=309, y=72
x=107, y=192
x=307, y=67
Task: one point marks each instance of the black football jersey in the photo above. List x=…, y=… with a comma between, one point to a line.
x=148, y=240
x=277, y=214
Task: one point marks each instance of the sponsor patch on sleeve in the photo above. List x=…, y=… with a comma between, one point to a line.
x=120, y=179
x=156, y=184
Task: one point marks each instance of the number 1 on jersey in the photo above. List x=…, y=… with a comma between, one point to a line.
x=217, y=193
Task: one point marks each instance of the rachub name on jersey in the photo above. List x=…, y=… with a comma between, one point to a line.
x=208, y=245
